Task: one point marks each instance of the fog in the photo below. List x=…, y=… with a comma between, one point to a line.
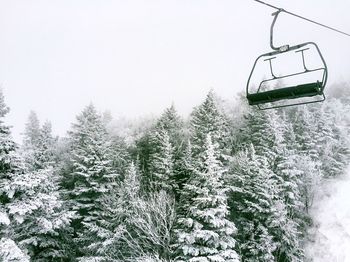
x=137, y=57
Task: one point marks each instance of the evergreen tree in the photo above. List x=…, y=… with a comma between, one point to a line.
x=253, y=206
x=41, y=225
x=9, y=251
x=117, y=206
x=46, y=146
x=32, y=130
x=305, y=129
x=172, y=123
x=162, y=171
x=275, y=141
x=290, y=231
x=185, y=167
x=119, y=147
x=208, y=118
x=91, y=173
x=119, y=153
x=150, y=146
x=8, y=163
x=204, y=233
x=332, y=144
x=39, y=145
x=132, y=227
x=30, y=143
x=263, y=131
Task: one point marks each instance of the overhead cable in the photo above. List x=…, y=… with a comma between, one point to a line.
x=302, y=17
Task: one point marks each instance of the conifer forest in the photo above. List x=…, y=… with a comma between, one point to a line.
x=226, y=183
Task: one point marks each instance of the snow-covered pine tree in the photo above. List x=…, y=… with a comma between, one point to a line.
x=175, y=126
x=91, y=173
x=172, y=123
x=41, y=224
x=39, y=145
x=120, y=154
x=260, y=130
x=253, y=205
x=185, y=167
x=308, y=154
x=274, y=140
x=131, y=226
x=341, y=149
x=7, y=150
x=32, y=130
x=117, y=206
x=203, y=232
x=208, y=118
x=332, y=138
x=119, y=146
x=289, y=226
x=289, y=212
x=161, y=166
x=30, y=145
x=150, y=146
x=46, y=146
x=305, y=129
x=9, y=251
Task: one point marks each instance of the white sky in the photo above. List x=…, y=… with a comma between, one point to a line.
x=136, y=57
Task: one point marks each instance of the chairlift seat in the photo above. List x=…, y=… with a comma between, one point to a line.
x=304, y=90
x=310, y=92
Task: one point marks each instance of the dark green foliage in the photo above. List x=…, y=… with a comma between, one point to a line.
x=161, y=149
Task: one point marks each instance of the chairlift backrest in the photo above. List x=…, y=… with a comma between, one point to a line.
x=282, y=94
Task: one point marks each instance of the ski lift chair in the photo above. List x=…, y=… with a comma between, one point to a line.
x=289, y=95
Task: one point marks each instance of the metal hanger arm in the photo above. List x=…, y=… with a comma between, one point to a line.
x=281, y=48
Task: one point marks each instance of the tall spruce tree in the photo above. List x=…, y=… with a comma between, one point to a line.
x=91, y=173
x=208, y=118
x=162, y=168
x=269, y=133
x=46, y=147
x=8, y=147
x=260, y=130
x=9, y=165
x=253, y=205
x=151, y=145
x=117, y=206
x=171, y=122
x=332, y=143
x=204, y=233
x=185, y=166
x=32, y=130
x=30, y=145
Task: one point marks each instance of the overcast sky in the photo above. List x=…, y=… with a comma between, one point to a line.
x=136, y=57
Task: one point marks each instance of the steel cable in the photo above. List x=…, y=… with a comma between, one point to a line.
x=302, y=17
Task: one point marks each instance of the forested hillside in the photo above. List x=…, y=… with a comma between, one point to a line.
x=228, y=183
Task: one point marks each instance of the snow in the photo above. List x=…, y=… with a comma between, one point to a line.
x=9, y=251
x=331, y=214
x=4, y=220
